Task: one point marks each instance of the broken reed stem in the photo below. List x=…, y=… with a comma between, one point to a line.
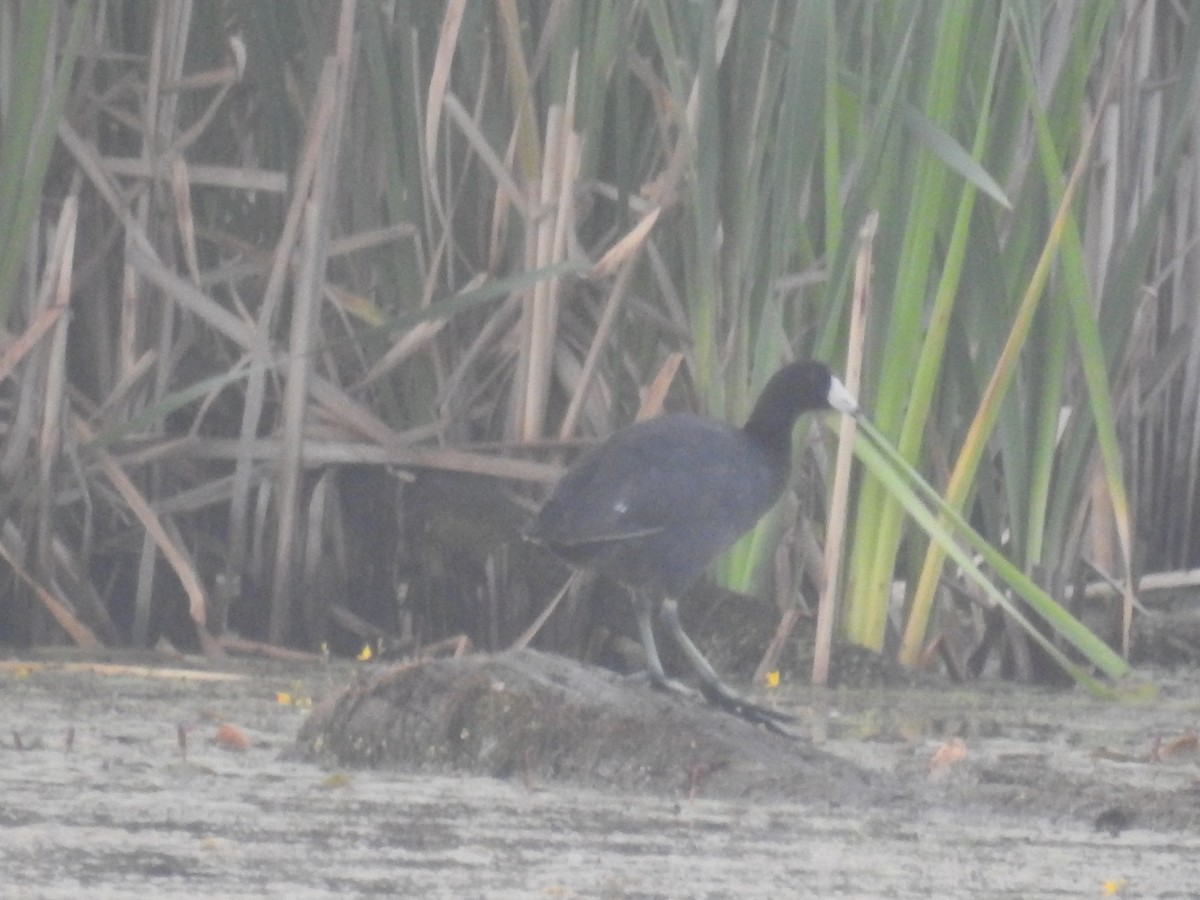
x=835, y=532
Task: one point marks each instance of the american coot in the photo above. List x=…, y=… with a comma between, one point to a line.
x=653, y=504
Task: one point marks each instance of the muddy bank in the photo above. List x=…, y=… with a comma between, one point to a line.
x=543, y=719
x=1057, y=795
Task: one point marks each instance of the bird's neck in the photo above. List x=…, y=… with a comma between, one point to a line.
x=775, y=437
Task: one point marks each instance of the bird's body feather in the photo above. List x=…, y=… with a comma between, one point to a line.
x=656, y=501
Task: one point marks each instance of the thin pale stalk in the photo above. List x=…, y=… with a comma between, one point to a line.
x=839, y=506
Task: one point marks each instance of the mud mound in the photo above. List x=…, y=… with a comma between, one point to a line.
x=540, y=718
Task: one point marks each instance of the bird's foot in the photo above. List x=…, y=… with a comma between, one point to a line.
x=725, y=698
x=663, y=683
x=721, y=695
x=716, y=691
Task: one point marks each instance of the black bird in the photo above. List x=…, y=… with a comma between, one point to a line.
x=656, y=502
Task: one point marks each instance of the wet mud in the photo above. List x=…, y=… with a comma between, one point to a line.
x=544, y=719
x=119, y=780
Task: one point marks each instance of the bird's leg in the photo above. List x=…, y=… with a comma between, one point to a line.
x=714, y=689
x=654, y=667
x=641, y=609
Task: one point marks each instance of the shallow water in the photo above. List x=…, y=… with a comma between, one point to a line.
x=123, y=813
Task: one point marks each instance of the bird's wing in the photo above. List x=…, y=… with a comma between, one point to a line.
x=630, y=486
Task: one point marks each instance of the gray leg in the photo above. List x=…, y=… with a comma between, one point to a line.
x=654, y=666
x=702, y=667
x=641, y=608
x=711, y=685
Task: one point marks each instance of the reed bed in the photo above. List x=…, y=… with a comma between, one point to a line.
x=305, y=303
